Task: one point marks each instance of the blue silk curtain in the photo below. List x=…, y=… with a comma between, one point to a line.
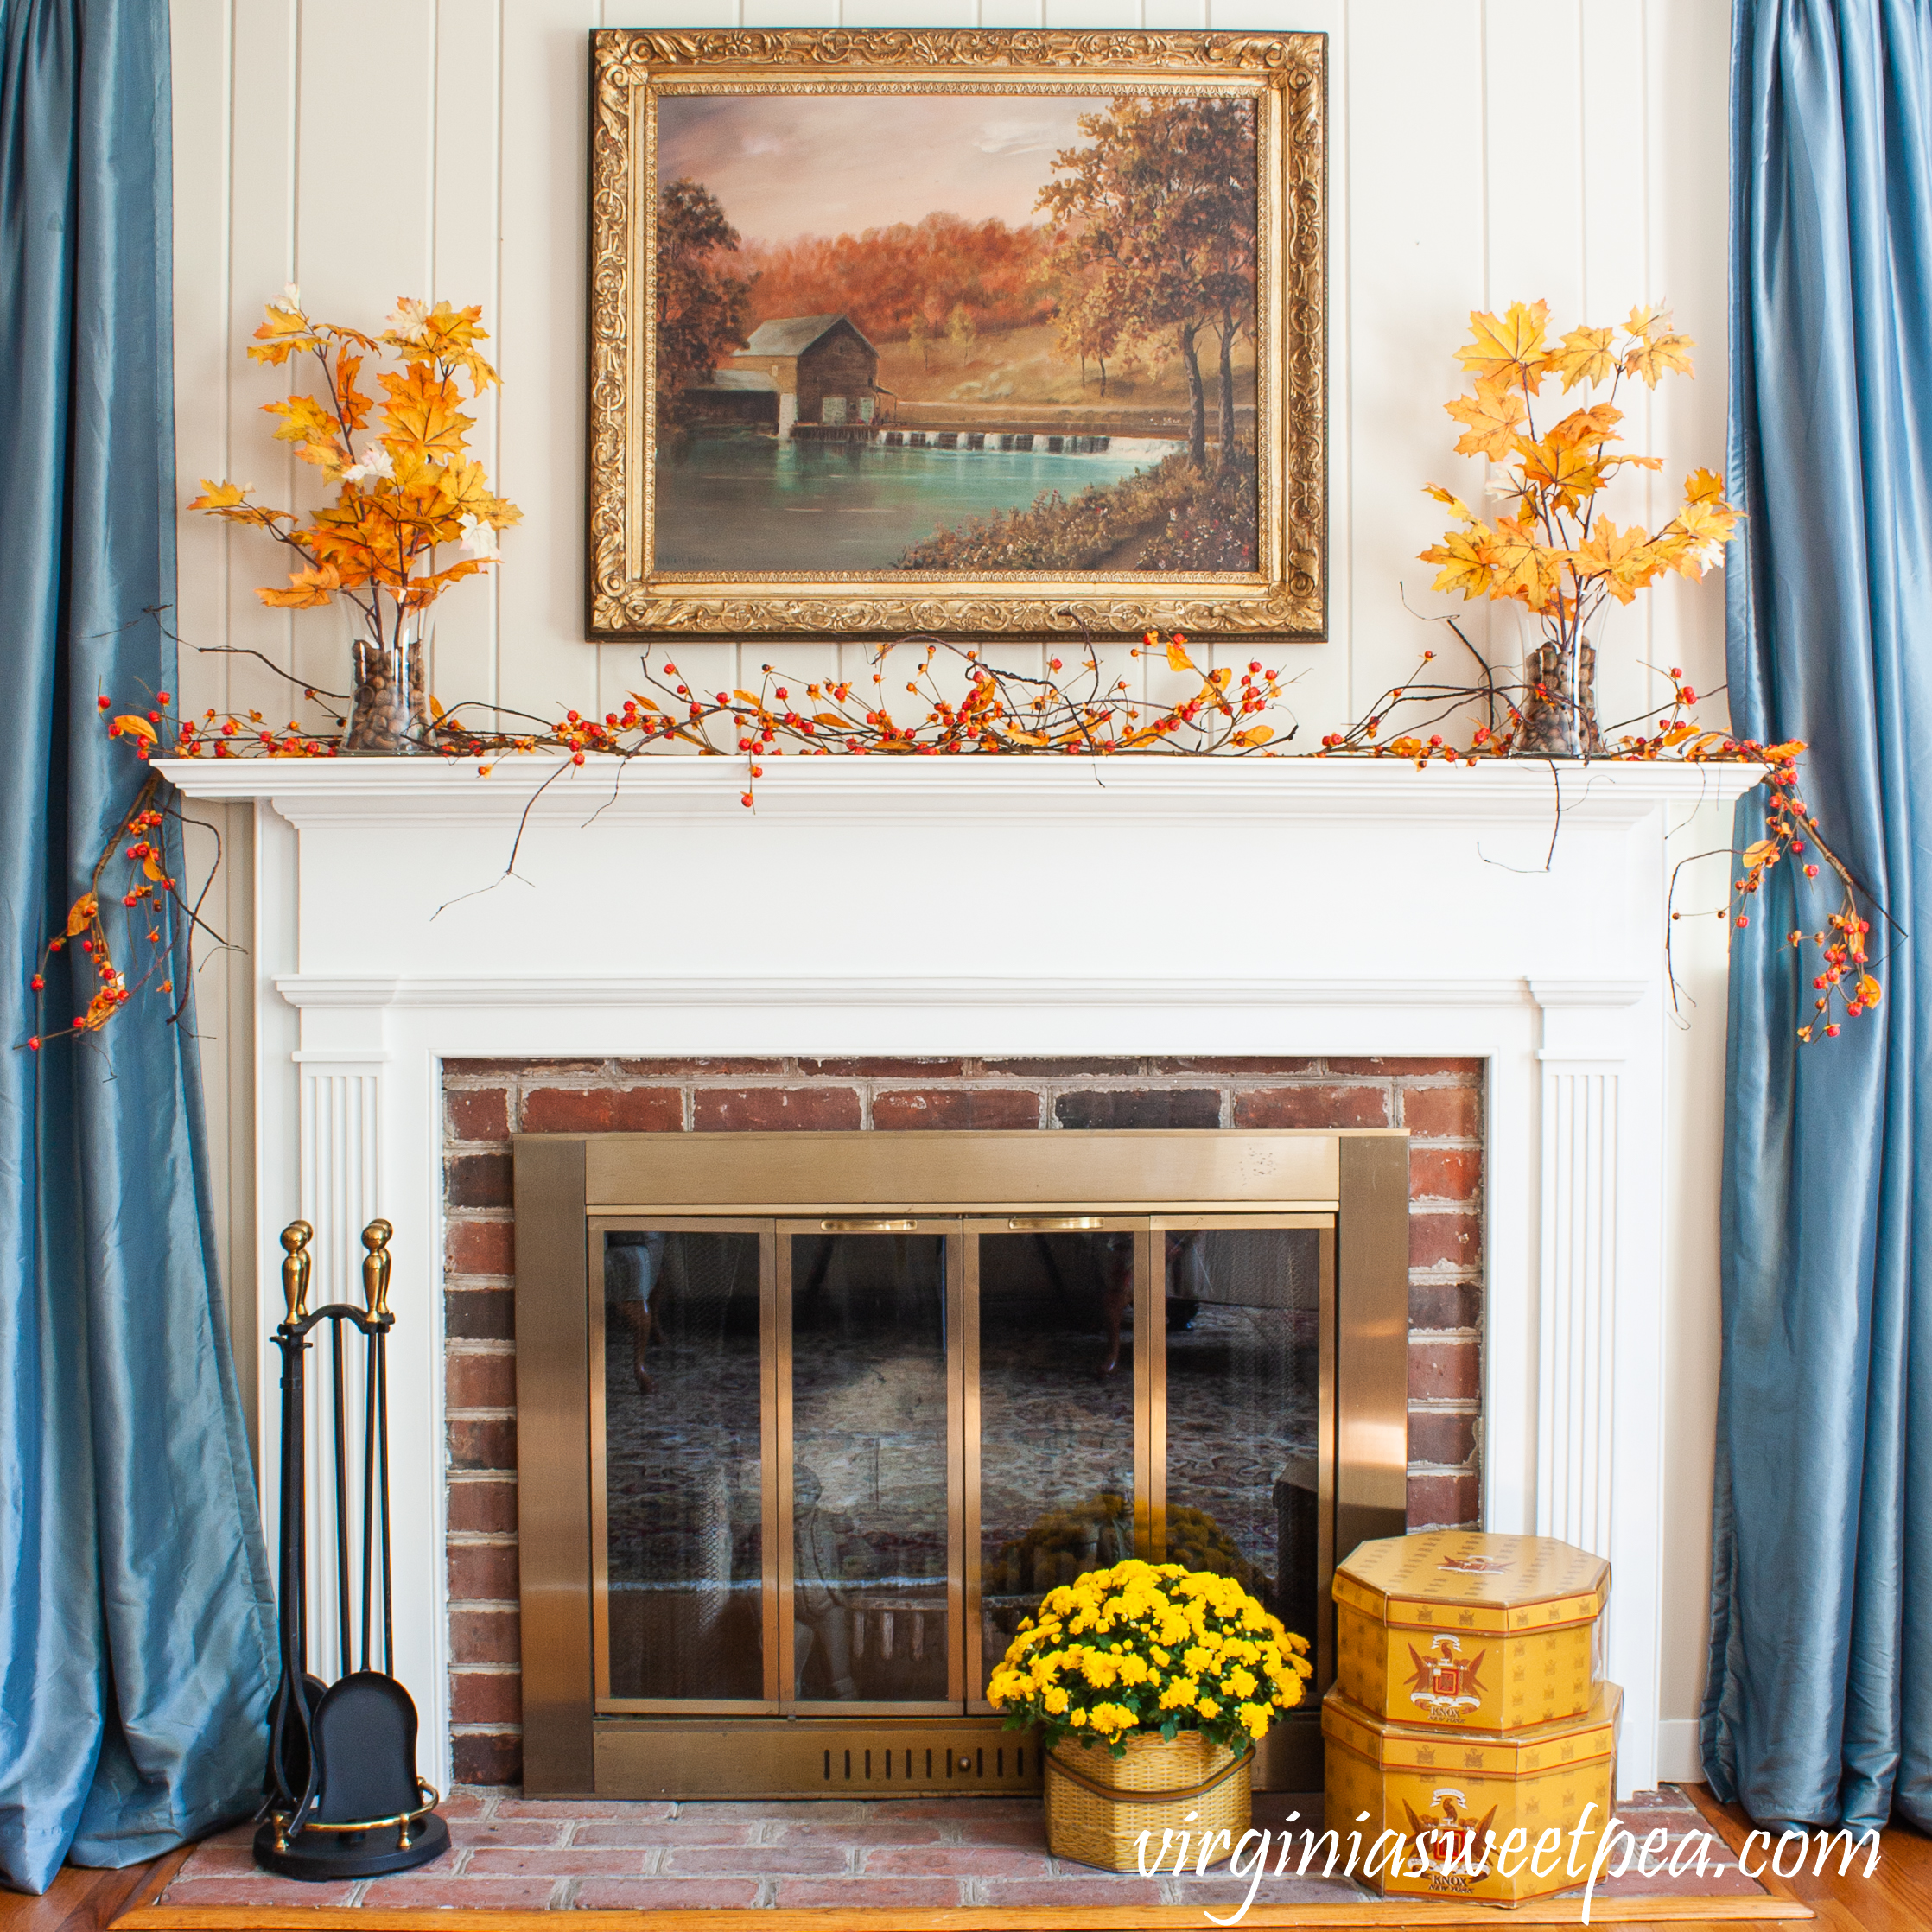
x=134, y=1604
x=1820, y=1700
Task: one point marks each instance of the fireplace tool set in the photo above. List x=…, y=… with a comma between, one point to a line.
x=342, y=1798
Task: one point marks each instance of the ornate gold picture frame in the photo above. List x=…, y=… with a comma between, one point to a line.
x=973, y=332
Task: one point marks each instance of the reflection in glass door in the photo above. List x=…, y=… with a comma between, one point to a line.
x=869, y=1416
x=1241, y=1408
x=684, y=1466
x=1050, y=1361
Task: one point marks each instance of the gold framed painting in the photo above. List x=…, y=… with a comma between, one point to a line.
x=981, y=333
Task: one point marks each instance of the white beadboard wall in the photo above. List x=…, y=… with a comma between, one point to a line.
x=1481, y=151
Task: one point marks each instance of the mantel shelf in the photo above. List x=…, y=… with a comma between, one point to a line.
x=434, y=790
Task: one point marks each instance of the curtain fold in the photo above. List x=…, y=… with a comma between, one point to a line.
x=1818, y=1703
x=135, y=1610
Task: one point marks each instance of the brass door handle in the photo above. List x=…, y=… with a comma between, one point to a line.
x=868, y=1227
x=1052, y=1223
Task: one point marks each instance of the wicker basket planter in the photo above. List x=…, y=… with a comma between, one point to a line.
x=1098, y=1805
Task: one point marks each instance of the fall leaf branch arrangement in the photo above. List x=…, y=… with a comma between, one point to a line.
x=1547, y=548
x=406, y=491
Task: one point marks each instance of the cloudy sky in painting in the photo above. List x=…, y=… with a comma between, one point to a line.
x=827, y=164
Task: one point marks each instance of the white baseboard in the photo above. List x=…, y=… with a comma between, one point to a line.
x=1679, y=1761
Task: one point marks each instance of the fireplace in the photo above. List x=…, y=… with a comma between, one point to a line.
x=810, y=1421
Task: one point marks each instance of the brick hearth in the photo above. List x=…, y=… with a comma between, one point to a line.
x=1440, y=1101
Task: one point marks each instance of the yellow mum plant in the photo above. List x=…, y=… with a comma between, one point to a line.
x=1150, y=1648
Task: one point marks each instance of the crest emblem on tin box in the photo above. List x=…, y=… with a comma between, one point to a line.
x=1449, y=1843
x=1445, y=1683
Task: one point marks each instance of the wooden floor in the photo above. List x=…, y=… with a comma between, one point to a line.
x=1898, y=1897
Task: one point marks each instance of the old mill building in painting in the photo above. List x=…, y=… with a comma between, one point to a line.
x=956, y=332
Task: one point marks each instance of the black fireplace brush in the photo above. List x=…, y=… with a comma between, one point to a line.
x=342, y=1798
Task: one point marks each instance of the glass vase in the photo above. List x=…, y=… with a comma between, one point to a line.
x=1559, y=708
x=389, y=705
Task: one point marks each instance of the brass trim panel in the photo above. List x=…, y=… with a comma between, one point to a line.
x=806, y=1758
x=1071, y=1169
x=1371, y=1383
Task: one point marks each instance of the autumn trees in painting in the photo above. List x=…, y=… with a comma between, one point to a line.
x=1157, y=240
x=703, y=309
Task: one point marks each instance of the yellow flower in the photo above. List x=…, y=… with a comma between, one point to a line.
x=1241, y=1681
x=1179, y=1695
x=1055, y=1702
x=1209, y=1707
x=1076, y=1717
x=1197, y=1659
x=1134, y=1670
x=1254, y=1719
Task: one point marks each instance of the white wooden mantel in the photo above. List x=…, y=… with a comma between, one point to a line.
x=1027, y=905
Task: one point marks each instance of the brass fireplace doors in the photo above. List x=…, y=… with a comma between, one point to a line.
x=830, y=1459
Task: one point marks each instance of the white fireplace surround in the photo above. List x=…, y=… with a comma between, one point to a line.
x=1048, y=905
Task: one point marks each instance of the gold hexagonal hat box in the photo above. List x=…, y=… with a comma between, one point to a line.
x=1462, y=1631
x=1499, y=1817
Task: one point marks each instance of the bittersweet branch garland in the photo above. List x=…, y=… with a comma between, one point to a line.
x=999, y=712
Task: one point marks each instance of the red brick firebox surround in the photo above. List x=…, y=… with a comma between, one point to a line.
x=1440, y=1101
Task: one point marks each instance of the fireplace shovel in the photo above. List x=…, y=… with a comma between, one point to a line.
x=342, y=1798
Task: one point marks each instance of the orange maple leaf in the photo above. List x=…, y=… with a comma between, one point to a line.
x=423, y=414
x=307, y=589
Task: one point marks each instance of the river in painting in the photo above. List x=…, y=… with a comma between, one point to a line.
x=751, y=503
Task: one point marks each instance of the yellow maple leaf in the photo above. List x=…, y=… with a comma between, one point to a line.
x=1457, y=507
x=1585, y=357
x=285, y=332
x=1656, y=347
x=217, y=497
x=1465, y=558
x=1491, y=416
x=466, y=487
x=1703, y=486
x=1509, y=350
x=307, y=589
x=1622, y=561
x=1525, y=568
x=423, y=414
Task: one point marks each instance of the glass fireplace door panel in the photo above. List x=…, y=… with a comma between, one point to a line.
x=1052, y=1324
x=682, y=1487
x=873, y=1545
x=1247, y=1473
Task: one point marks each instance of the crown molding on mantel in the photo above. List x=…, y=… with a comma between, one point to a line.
x=428, y=790
x=365, y=991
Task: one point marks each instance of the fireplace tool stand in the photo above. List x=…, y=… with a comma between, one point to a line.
x=342, y=1798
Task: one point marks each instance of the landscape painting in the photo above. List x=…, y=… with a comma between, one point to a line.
x=948, y=335
x=956, y=332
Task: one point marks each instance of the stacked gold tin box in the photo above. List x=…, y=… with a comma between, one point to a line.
x=1469, y=1714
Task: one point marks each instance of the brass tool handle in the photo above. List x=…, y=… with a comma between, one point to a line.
x=1052, y=1224
x=375, y=1268
x=868, y=1227
x=297, y=1267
